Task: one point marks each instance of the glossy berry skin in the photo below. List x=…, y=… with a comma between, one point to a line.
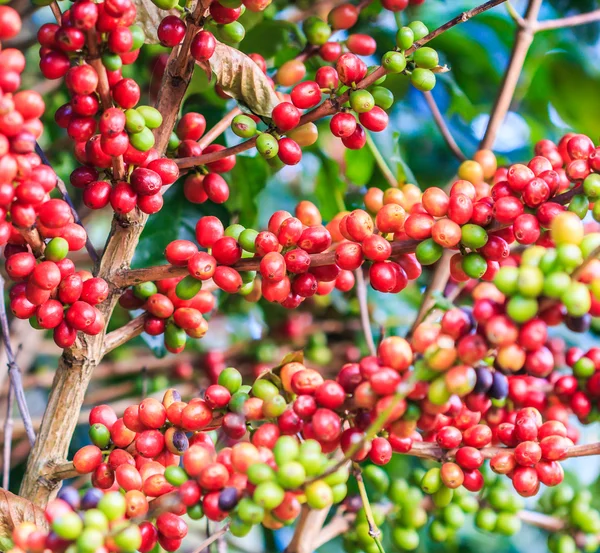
x=285, y=116
x=203, y=46
x=171, y=31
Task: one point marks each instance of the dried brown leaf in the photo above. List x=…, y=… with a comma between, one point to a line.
x=14, y=510
x=149, y=17
x=242, y=79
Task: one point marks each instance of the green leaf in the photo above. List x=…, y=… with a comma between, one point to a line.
x=559, y=79
x=269, y=37
x=247, y=179
x=359, y=166
x=329, y=188
x=176, y=220
x=459, y=102
x=402, y=170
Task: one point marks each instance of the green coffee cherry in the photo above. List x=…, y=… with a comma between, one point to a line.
x=143, y=140
x=195, y=512
x=556, y=284
x=231, y=379
x=393, y=62
x=521, y=309
x=486, y=519
x=474, y=265
x=144, y=290
x=175, y=337
x=234, y=230
x=426, y=57
x=361, y=101
x=237, y=527
x=591, y=185
x=580, y=205
x=56, y=249
x=443, y=497
x=174, y=141
x=247, y=238
x=405, y=38
x=134, y=121
x=165, y=4
x=576, y=299
x=405, y=539
x=531, y=281
x=139, y=37
x=419, y=29
x=473, y=236
x=267, y=145
x=250, y=512
x=111, y=61
x=428, y=252
x=152, y=117
x=432, y=481
x=243, y=126
x=384, y=98
x=231, y=33
x=316, y=30
x=423, y=79
x=188, y=287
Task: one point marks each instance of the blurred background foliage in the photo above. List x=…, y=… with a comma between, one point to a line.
x=558, y=92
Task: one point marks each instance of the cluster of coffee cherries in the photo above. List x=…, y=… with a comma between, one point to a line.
x=368, y=104
x=54, y=296
x=223, y=21
x=88, y=522
x=537, y=449
x=105, y=136
x=174, y=307
x=26, y=183
x=282, y=254
x=580, y=390
x=499, y=512
x=548, y=275
x=582, y=520
x=164, y=449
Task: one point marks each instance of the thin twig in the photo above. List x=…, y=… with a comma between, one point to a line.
x=56, y=11
x=571, y=21
x=218, y=129
x=8, y=432
x=329, y=107
x=443, y=127
x=134, y=276
x=361, y=294
x=211, y=539
x=437, y=284
x=123, y=334
x=387, y=173
x=523, y=40
x=374, y=532
x=433, y=452
x=515, y=15
x=13, y=370
x=62, y=187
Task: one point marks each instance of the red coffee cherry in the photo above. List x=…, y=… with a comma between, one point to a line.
x=126, y=93
x=306, y=95
x=285, y=116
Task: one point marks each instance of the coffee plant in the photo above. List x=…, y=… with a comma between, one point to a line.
x=192, y=129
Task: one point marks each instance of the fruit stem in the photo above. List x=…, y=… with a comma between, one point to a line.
x=374, y=532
